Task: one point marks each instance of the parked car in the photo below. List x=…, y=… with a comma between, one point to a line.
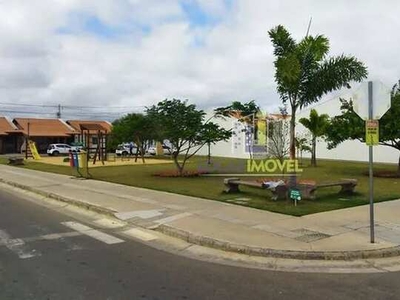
x=124, y=150
x=166, y=150
x=57, y=149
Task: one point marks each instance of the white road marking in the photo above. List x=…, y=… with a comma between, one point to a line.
x=172, y=218
x=98, y=235
x=143, y=214
x=51, y=236
x=140, y=234
x=16, y=245
x=108, y=223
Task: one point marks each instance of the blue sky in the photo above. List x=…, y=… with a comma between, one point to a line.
x=191, y=12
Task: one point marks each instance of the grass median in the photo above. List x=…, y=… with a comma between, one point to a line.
x=212, y=187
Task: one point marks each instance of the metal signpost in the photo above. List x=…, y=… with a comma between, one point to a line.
x=371, y=102
x=295, y=195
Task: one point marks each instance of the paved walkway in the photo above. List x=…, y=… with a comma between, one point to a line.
x=336, y=234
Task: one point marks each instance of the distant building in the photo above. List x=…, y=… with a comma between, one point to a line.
x=10, y=136
x=14, y=133
x=45, y=131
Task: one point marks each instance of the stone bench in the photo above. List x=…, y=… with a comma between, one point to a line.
x=308, y=190
x=15, y=161
x=232, y=186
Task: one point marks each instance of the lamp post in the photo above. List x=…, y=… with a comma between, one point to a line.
x=26, y=141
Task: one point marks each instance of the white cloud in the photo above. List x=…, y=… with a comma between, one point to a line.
x=211, y=65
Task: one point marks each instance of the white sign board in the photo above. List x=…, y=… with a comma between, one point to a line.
x=381, y=100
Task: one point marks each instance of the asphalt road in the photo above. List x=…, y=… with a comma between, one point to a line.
x=42, y=258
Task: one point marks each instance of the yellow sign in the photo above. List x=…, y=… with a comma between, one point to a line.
x=261, y=128
x=372, y=132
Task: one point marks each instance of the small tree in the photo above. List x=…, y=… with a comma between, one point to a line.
x=278, y=136
x=349, y=126
x=302, y=145
x=183, y=125
x=317, y=125
x=134, y=127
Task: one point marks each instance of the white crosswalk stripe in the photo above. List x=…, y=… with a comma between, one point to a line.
x=108, y=223
x=16, y=245
x=98, y=235
x=140, y=234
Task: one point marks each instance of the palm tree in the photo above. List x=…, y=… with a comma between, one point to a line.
x=304, y=73
x=302, y=144
x=317, y=125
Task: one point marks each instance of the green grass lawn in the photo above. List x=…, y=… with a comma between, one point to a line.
x=212, y=187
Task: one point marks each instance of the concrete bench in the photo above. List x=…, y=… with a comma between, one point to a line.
x=347, y=187
x=15, y=161
x=232, y=186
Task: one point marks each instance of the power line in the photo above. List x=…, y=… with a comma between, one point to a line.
x=70, y=106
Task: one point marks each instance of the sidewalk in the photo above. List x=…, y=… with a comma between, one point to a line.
x=340, y=234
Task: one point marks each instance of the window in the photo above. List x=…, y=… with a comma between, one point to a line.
x=95, y=140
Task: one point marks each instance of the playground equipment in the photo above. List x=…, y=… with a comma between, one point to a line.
x=94, y=138
x=31, y=150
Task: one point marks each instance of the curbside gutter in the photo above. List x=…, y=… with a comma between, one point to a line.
x=81, y=204
x=225, y=245
x=276, y=253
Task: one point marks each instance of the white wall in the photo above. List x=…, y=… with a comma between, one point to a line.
x=349, y=150
x=234, y=147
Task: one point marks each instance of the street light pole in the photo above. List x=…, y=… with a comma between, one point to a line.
x=371, y=167
x=27, y=141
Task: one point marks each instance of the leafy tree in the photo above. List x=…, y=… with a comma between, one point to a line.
x=304, y=73
x=184, y=126
x=349, y=126
x=317, y=125
x=243, y=111
x=135, y=127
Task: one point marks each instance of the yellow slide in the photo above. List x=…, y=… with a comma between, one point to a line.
x=32, y=147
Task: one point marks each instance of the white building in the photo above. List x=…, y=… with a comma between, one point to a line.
x=348, y=150
x=237, y=146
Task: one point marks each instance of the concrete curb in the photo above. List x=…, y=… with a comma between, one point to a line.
x=88, y=206
x=225, y=245
x=276, y=253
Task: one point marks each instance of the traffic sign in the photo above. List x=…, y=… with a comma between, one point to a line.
x=372, y=132
x=381, y=103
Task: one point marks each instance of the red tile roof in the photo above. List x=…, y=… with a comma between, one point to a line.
x=76, y=124
x=44, y=127
x=6, y=126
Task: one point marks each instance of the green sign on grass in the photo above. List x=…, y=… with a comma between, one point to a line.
x=295, y=194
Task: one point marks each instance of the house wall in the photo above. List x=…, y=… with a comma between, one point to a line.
x=10, y=143
x=93, y=140
x=348, y=150
x=237, y=146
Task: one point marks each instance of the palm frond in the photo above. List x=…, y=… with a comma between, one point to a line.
x=282, y=41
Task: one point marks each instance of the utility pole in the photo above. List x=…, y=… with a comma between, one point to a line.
x=59, y=112
x=27, y=141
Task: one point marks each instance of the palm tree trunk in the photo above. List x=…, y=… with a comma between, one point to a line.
x=292, y=135
x=314, y=152
x=292, y=177
x=398, y=168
